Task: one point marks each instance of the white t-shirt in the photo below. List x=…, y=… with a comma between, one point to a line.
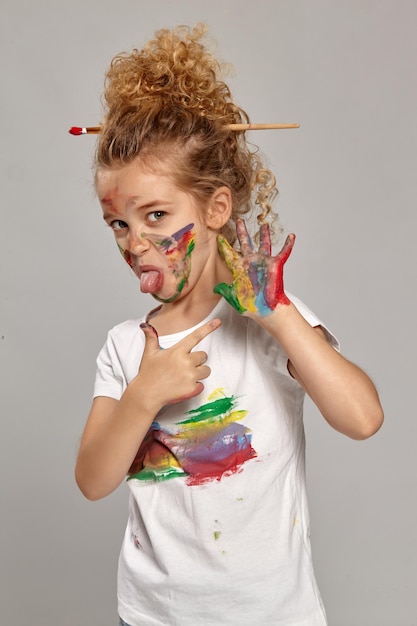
x=218, y=529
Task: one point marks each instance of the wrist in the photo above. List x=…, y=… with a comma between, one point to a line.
x=265, y=315
x=141, y=399
x=279, y=319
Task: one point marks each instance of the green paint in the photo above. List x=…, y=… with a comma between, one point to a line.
x=210, y=410
x=229, y=294
x=216, y=534
x=156, y=475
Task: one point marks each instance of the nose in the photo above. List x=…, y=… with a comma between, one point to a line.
x=137, y=242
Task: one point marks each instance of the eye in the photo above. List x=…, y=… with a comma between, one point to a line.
x=118, y=224
x=155, y=216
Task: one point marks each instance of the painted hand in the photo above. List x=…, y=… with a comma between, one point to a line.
x=257, y=285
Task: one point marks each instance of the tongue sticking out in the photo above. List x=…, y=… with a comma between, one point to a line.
x=150, y=281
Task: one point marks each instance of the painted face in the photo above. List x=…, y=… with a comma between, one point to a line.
x=158, y=228
x=177, y=249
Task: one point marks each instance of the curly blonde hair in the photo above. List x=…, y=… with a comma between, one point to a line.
x=167, y=104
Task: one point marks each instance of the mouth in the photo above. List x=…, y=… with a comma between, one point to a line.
x=151, y=279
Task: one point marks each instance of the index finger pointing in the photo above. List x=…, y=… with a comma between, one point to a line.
x=190, y=341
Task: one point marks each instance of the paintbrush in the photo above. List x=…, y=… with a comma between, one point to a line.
x=261, y=126
x=95, y=130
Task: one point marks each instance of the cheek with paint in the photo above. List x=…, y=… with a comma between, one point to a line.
x=126, y=255
x=177, y=250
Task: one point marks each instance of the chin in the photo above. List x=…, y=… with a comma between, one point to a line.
x=166, y=300
x=166, y=296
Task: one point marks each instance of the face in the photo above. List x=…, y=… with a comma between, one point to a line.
x=159, y=229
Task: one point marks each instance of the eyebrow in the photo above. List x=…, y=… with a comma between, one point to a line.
x=107, y=216
x=153, y=204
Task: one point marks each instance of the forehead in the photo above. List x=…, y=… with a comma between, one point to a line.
x=135, y=178
x=138, y=186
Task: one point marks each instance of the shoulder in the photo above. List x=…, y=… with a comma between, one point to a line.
x=123, y=337
x=119, y=358
x=126, y=328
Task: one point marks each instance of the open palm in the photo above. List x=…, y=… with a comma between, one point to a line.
x=257, y=286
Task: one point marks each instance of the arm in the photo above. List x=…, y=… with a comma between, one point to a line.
x=343, y=393
x=116, y=428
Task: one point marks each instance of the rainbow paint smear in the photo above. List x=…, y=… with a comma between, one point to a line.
x=206, y=446
x=177, y=248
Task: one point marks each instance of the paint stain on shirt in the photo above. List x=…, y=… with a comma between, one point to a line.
x=206, y=446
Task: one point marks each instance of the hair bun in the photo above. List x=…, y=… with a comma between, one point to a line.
x=173, y=70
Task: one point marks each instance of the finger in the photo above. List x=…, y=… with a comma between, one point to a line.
x=287, y=248
x=151, y=337
x=203, y=372
x=265, y=242
x=195, y=392
x=246, y=246
x=191, y=340
x=199, y=358
x=229, y=255
x=198, y=389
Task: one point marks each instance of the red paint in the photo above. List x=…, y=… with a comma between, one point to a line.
x=213, y=471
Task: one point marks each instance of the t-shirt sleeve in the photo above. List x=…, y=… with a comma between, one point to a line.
x=313, y=320
x=271, y=353
x=109, y=373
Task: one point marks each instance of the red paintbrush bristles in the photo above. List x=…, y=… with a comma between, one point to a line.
x=76, y=130
x=89, y=130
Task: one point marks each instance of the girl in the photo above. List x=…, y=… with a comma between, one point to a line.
x=200, y=404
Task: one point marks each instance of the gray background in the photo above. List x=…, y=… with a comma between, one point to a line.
x=346, y=70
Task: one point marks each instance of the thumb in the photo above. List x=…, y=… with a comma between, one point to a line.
x=151, y=337
x=225, y=290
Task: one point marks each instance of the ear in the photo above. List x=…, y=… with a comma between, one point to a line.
x=219, y=208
